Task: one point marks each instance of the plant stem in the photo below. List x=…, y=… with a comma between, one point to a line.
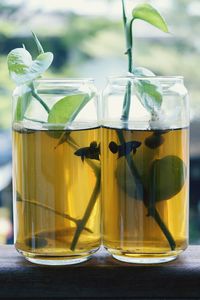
x=35, y=203
x=164, y=229
x=38, y=98
x=127, y=103
x=143, y=194
x=124, y=13
x=129, y=45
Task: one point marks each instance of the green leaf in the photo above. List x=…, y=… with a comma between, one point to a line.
x=140, y=71
x=40, y=65
x=23, y=69
x=149, y=14
x=38, y=44
x=66, y=109
x=148, y=91
x=164, y=179
x=167, y=177
x=149, y=95
x=19, y=62
x=23, y=102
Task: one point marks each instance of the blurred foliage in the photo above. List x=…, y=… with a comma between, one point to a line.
x=78, y=40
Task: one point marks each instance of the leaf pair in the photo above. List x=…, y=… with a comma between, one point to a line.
x=144, y=12
x=23, y=69
x=149, y=93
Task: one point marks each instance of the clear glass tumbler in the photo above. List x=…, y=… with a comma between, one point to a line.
x=145, y=168
x=56, y=171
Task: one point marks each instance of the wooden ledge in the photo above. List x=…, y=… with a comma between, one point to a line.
x=100, y=278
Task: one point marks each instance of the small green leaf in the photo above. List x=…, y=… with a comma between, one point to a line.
x=148, y=91
x=23, y=69
x=150, y=95
x=66, y=109
x=40, y=65
x=167, y=177
x=38, y=44
x=23, y=102
x=149, y=14
x=140, y=71
x=19, y=62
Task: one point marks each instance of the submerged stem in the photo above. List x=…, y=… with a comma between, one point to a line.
x=164, y=229
x=143, y=194
x=51, y=210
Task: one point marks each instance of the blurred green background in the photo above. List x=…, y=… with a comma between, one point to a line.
x=86, y=37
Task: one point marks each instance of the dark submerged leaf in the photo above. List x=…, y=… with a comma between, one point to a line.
x=154, y=141
x=168, y=176
x=36, y=242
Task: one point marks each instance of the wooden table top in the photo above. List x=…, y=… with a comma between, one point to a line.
x=101, y=277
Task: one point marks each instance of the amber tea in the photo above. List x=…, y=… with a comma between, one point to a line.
x=145, y=192
x=57, y=183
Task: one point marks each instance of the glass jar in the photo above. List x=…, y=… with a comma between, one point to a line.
x=145, y=166
x=56, y=171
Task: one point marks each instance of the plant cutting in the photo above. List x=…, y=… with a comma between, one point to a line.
x=56, y=155
x=149, y=175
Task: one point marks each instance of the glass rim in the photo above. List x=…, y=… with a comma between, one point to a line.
x=63, y=81
x=132, y=77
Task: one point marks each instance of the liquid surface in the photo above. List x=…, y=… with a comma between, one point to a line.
x=145, y=191
x=56, y=184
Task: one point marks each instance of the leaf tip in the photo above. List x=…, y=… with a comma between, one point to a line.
x=37, y=42
x=151, y=15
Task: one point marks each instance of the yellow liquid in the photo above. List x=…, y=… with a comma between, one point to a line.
x=54, y=189
x=128, y=228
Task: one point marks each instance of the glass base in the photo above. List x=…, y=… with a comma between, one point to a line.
x=144, y=260
x=57, y=262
